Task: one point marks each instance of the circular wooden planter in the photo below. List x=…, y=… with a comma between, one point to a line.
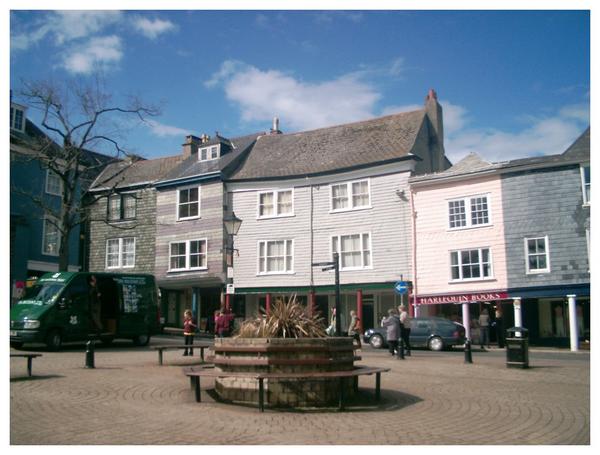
x=282, y=355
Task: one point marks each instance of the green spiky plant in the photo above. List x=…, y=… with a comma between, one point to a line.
x=287, y=319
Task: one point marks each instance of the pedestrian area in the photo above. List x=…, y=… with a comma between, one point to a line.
x=428, y=398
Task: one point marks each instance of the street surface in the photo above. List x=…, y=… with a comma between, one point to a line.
x=428, y=398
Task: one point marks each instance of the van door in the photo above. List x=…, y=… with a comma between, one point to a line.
x=133, y=305
x=74, y=314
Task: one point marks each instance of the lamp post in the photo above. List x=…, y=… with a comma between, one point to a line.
x=335, y=266
x=232, y=226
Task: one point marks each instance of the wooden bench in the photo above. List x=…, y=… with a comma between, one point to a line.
x=30, y=358
x=196, y=373
x=173, y=347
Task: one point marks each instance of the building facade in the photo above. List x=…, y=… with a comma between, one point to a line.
x=303, y=196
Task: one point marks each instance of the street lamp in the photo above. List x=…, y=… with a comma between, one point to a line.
x=232, y=226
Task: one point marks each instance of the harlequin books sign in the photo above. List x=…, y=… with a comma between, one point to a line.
x=462, y=298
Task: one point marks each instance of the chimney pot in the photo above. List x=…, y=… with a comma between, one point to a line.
x=275, y=127
x=431, y=95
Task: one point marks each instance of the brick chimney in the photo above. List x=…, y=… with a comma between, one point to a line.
x=435, y=115
x=275, y=128
x=190, y=146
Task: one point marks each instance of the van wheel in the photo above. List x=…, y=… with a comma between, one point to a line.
x=107, y=340
x=54, y=340
x=16, y=344
x=141, y=340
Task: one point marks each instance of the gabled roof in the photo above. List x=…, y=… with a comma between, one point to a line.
x=342, y=147
x=473, y=164
x=580, y=149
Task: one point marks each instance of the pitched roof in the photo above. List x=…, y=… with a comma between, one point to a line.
x=334, y=148
x=580, y=149
x=191, y=167
x=126, y=173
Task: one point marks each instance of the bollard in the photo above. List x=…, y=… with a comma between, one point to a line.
x=401, y=349
x=89, y=354
x=468, y=357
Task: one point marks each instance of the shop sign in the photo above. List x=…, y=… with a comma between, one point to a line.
x=462, y=298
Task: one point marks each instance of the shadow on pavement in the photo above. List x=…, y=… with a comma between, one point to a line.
x=35, y=378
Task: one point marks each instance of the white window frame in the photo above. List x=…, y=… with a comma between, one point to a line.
x=194, y=217
x=13, y=118
x=469, y=212
x=49, y=189
x=208, y=151
x=350, y=196
x=121, y=253
x=584, y=185
x=362, y=250
x=188, y=255
x=481, y=263
x=276, y=213
x=50, y=220
x=259, y=259
x=530, y=271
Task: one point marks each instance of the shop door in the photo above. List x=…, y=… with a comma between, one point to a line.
x=322, y=308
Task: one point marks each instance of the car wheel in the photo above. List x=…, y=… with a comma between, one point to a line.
x=376, y=341
x=54, y=340
x=141, y=340
x=435, y=344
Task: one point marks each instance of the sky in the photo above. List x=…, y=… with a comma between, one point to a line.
x=512, y=84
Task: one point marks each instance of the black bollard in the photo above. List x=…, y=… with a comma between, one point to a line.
x=468, y=357
x=89, y=354
x=401, y=349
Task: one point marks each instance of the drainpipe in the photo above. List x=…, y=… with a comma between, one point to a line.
x=268, y=304
x=359, y=308
x=413, y=216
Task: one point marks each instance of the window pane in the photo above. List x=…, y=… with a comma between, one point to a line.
x=128, y=252
x=114, y=207
x=51, y=238
x=339, y=196
x=360, y=194
x=213, y=152
x=284, y=202
x=203, y=155
x=266, y=204
x=479, y=210
x=457, y=213
x=129, y=206
x=112, y=253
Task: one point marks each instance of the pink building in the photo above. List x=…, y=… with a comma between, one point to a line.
x=458, y=232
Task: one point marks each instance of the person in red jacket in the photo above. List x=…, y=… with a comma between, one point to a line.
x=221, y=325
x=188, y=331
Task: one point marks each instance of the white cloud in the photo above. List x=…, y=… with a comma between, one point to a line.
x=97, y=52
x=300, y=105
x=162, y=130
x=542, y=136
x=64, y=26
x=152, y=28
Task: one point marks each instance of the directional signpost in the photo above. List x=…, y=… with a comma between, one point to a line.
x=401, y=288
x=334, y=265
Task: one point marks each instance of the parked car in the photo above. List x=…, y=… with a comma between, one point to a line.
x=433, y=333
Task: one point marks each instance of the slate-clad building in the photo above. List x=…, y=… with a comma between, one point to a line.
x=512, y=236
x=303, y=196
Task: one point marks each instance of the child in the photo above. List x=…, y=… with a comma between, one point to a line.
x=188, y=331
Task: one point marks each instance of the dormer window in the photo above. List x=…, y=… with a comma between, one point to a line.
x=209, y=153
x=17, y=118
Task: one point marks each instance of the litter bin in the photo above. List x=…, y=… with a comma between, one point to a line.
x=517, y=347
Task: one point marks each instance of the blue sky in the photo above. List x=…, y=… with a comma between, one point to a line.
x=512, y=83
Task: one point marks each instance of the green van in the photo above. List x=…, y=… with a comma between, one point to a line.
x=57, y=308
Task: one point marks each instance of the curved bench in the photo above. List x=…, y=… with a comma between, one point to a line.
x=172, y=347
x=196, y=373
x=30, y=358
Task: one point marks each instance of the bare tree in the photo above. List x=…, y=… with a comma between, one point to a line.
x=76, y=119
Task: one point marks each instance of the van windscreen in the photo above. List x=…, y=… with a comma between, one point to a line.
x=42, y=294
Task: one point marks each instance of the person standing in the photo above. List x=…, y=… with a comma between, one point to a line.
x=392, y=325
x=484, y=328
x=499, y=327
x=331, y=331
x=405, y=328
x=95, y=305
x=354, y=328
x=221, y=325
x=188, y=331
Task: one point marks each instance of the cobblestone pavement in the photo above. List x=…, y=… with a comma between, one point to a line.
x=429, y=398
